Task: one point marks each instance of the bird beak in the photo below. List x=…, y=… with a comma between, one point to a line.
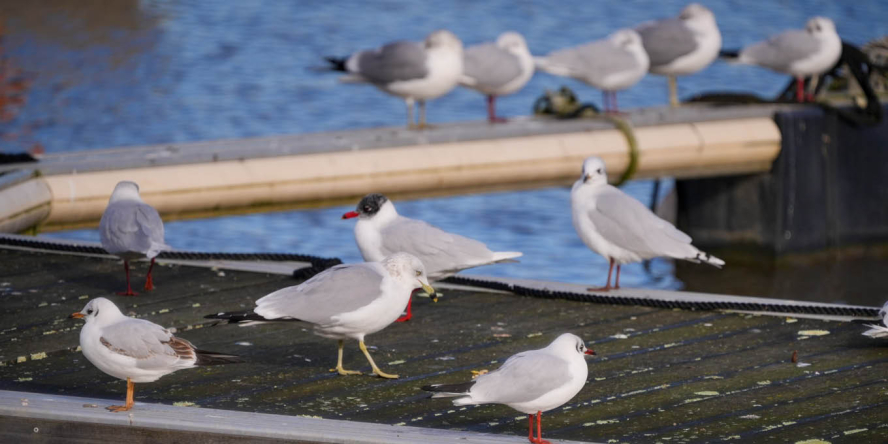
x=350, y=215
x=586, y=178
x=431, y=291
x=589, y=352
x=76, y=315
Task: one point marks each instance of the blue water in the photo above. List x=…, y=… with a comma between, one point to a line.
x=133, y=73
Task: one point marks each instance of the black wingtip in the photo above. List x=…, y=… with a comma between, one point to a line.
x=729, y=53
x=212, y=358
x=234, y=318
x=337, y=63
x=449, y=388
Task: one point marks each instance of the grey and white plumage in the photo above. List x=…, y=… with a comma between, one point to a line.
x=530, y=382
x=684, y=44
x=622, y=229
x=381, y=231
x=876, y=330
x=129, y=227
x=348, y=301
x=610, y=64
x=798, y=52
x=498, y=68
x=414, y=71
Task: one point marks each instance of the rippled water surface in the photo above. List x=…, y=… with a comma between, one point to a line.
x=128, y=72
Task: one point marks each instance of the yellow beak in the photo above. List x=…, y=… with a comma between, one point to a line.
x=431, y=291
x=76, y=315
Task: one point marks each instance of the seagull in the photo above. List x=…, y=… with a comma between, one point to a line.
x=346, y=301
x=682, y=45
x=611, y=64
x=799, y=52
x=381, y=231
x=415, y=71
x=531, y=382
x=135, y=349
x=497, y=69
x=131, y=229
x=622, y=229
x=879, y=331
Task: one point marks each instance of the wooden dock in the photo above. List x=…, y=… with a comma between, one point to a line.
x=660, y=375
x=221, y=177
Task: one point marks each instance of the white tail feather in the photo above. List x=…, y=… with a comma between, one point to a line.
x=499, y=256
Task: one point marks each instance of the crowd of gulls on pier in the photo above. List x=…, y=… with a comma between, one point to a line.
x=403, y=255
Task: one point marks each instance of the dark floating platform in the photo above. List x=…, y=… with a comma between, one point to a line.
x=660, y=375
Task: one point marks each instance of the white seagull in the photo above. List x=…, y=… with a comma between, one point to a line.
x=620, y=228
x=879, y=331
x=415, y=71
x=497, y=69
x=531, y=382
x=611, y=64
x=346, y=301
x=381, y=231
x=799, y=52
x=131, y=229
x=682, y=45
x=135, y=349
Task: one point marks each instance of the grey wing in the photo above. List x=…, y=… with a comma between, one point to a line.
x=666, y=40
x=341, y=289
x=782, y=50
x=392, y=62
x=490, y=66
x=131, y=227
x=629, y=224
x=594, y=60
x=438, y=250
x=151, y=345
x=523, y=378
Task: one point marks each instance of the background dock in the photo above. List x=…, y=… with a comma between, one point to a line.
x=689, y=376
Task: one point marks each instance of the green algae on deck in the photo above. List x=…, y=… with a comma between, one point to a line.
x=654, y=378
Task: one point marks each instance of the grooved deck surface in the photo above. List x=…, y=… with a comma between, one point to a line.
x=660, y=375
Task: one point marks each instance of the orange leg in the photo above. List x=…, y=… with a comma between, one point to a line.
x=800, y=89
x=149, y=283
x=129, y=290
x=130, y=388
x=607, y=286
x=539, y=439
x=491, y=111
x=530, y=427
x=409, y=314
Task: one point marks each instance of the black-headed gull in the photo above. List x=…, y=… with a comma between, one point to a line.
x=131, y=229
x=620, y=228
x=531, y=382
x=611, y=64
x=381, y=231
x=135, y=349
x=879, y=331
x=799, y=52
x=497, y=69
x=682, y=45
x=415, y=71
x=346, y=301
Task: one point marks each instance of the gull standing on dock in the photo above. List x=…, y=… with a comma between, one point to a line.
x=497, y=69
x=135, y=349
x=531, y=382
x=346, y=301
x=415, y=71
x=381, y=231
x=799, y=52
x=622, y=229
x=611, y=64
x=879, y=331
x=682, y=45
x=131, y=229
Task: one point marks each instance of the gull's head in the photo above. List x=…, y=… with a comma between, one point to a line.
x=513, y=42
x=97, y=310
x=820, y=27
x=125, y=190
x=370, y=206
x=409, y=269
x=593, y=171
x=698, y=17
x=569, y=343
x=883, y=313
x=443, y=38
x=627, y=39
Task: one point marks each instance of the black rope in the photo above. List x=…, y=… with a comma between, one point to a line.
x=318, y=264
x=604, y=298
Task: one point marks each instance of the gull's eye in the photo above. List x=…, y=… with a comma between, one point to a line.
x=418, y=273
x=89, y=312
x=599, y=171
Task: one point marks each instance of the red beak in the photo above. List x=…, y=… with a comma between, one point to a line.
x=589, y=352
x=350, y=215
